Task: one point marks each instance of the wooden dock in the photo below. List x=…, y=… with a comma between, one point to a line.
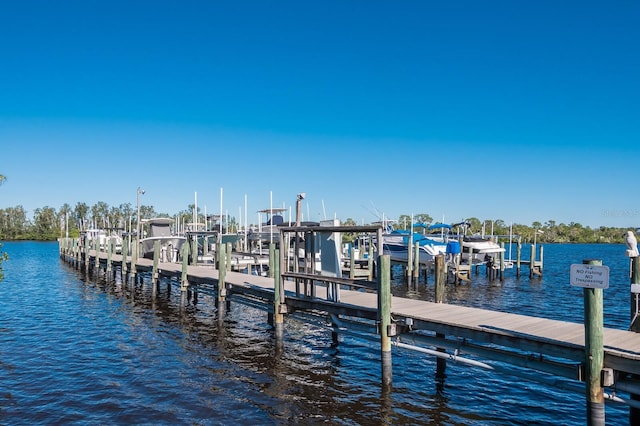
x=449, y=332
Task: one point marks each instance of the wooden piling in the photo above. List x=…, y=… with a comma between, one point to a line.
x=532, y=261
x=635, y=297
x=96, y=263
x=278, y=290
x=194, y=250
x=222, y=272
x=518, y=257
x=535, y=266
x=134, y=258
x=184, y=283
x=416, y=264
x=352, y=264
x=69, y=249
x=634, y=413
x=501, y=254
x=86, y=254
x=370, y=262
x=409, y=266
x=272, y=248
x=109, y=250
x=156, y=259
x=440, y=277
x=384, y=313
x=594, y=351
x=125, y=253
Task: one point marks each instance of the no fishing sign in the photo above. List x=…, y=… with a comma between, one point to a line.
x=589, y=276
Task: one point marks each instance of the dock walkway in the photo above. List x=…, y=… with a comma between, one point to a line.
x=552, y=338
x=493, y=339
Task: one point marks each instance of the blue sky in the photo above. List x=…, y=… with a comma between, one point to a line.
x=516, y=110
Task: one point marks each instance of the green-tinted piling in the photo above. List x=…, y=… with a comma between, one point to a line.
x=109, y=251
x=222, y=272
x=594, y=352
x=194, y=251
x=352, y=263
x=384, y=313
x=416, y=263
x=518, y=257
x=634, y=272
x=279, y=308
x=125, y=253
x=440, y=278
x=370, y=263
x=156, y=259
x=272, y=248
x=184, y=283
x=134, y=257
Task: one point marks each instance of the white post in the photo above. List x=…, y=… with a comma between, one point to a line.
x=140, y=191
x=195, y=209
x=246, y=223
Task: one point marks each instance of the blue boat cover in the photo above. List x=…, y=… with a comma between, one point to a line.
x=453, y=247
x=440, y=226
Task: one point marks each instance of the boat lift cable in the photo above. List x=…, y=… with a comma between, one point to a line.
x=637, y=310
x=338, y=325
x=564, y=385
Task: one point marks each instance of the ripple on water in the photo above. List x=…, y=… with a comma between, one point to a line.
x=78, y=350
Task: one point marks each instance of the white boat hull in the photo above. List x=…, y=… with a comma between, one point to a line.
x=169, y=247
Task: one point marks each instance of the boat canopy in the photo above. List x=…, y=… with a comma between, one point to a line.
x=416, y=237
x=465, y=223
x=440, y=226
x=159, y=226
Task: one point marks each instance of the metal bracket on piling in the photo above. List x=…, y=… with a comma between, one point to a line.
x=607, y=377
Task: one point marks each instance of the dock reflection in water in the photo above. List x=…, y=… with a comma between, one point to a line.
x=86, y=350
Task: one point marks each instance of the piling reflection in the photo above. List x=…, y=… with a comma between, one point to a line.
x=316, y=375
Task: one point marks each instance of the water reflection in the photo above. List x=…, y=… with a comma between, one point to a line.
x=102, y=349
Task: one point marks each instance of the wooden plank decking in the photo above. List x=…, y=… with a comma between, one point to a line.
x=520, y=332
x=551, y=337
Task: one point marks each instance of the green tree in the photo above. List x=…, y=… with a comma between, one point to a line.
x=423, y=218
x=100, y=215
x=3, y=256
x=65, y=214
x=148, y=212
x=15, y=225
x=475, y=225
x=348, y=237
x=127, y=213
x=80, y=215
x=404, y=222
x=45, y=224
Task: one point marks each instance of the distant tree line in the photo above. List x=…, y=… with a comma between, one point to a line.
x=3, y=255
x=47, y=224
x=548, y=232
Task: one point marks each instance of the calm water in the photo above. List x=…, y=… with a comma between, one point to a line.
x=77, y=350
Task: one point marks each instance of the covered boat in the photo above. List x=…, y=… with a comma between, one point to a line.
x=170, y=244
